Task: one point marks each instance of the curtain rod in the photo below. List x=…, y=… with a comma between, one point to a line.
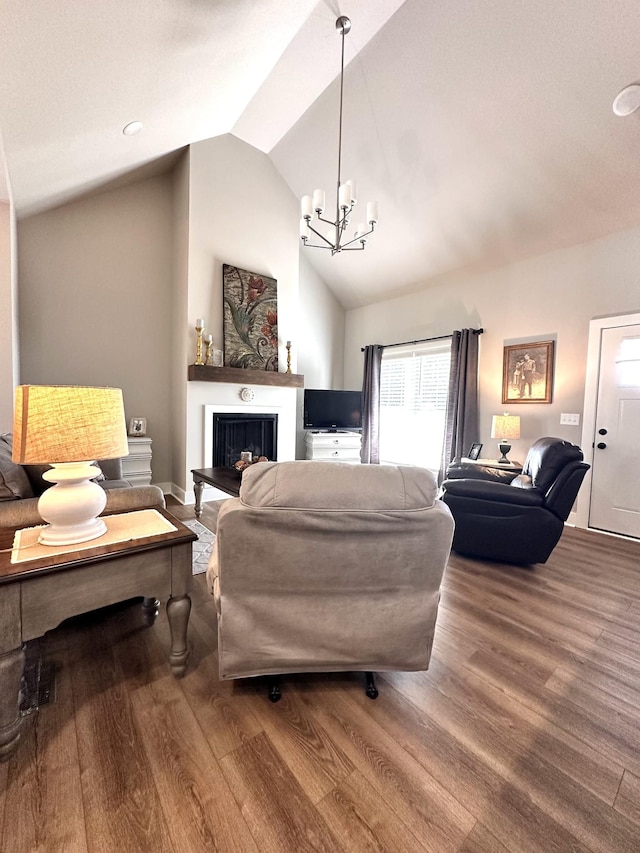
x=422, y=340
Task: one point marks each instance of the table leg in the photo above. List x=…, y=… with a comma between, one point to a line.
x=198, y=486
x=150, y=607
x=11, y=668
x=178, y=610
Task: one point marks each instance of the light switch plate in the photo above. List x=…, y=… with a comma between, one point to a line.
x=570, y=420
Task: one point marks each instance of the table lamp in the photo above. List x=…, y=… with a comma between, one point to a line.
x=68, y=427
x=505, y=428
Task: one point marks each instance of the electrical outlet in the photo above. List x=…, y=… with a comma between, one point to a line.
x=570, y=420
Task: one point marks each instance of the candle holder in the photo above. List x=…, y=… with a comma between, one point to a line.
x=199, y=328
x=288, y=370
x=208, y=355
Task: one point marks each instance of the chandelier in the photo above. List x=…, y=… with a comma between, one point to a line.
x=336, y=238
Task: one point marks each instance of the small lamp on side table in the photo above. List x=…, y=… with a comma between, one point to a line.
x=65, y=426
x=506, y=428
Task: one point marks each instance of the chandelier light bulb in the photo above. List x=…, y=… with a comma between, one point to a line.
x=337, y=239
x=306, y=206
x=318, y=201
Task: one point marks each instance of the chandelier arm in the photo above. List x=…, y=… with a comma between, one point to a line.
x=321, y=236
x=360, y=237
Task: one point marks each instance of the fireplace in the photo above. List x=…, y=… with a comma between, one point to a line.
x=235, y=433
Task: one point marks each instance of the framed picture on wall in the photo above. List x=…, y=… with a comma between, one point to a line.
x=527, y=372
x=250, y=319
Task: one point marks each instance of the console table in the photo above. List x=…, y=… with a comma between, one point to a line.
x=38, y=594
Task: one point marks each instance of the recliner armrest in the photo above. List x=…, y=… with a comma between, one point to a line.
x=490, y=491
x=464, y=471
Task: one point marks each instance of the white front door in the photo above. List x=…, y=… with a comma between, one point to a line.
x=615, y=476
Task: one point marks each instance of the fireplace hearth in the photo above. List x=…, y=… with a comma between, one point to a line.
x=235, y=434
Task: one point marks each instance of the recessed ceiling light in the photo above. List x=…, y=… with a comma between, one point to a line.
x=132, y=128
x=627, y=101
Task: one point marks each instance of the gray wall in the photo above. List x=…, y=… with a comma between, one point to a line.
x=8, y=315
x=110, y=285
x=553, y=296
x=94, y=300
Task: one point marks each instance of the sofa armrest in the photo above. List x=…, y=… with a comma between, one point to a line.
x=24, y=513
x=135, y=497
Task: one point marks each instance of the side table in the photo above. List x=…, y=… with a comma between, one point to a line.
x=38, y=594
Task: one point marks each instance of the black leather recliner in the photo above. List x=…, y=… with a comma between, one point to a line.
x=519, y=521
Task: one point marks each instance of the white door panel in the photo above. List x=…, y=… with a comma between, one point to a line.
x=615, y=490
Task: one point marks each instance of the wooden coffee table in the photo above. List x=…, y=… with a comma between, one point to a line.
x=37, y=595
x=226, y=479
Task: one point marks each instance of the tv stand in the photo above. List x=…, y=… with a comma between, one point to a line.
x=333, y=445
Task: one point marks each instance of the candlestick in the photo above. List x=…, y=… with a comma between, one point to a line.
x=199, y=328
x=288, y=357
x=208, y=356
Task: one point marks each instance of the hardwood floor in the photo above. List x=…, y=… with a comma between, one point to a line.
x=522, y=736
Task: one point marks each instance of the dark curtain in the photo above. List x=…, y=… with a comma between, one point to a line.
x=370, y=451
x=461, y=426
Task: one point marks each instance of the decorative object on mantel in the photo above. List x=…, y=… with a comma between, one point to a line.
x=346, y=196
x=527, y=372
x=247, y=394
x=250, y=319
x=199, y=328
x=208, y=355
x=288, y=370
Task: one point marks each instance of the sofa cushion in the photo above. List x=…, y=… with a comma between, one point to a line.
x=14, y=483
x=334, y=487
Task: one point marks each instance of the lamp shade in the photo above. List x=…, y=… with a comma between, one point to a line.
x=505, y=426
x=68, y=423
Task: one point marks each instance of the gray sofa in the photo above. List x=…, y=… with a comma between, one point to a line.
x=22, y=485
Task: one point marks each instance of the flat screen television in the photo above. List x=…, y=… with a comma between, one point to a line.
x=332, y=410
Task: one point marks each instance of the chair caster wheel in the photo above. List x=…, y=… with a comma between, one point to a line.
x=274, y=692
x=371, y=689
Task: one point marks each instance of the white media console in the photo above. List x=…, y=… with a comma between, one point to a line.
x=333, y=446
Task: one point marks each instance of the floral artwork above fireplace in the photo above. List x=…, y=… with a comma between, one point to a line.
x=250, y=319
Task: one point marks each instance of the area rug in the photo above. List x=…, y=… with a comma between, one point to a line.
x=202, y=546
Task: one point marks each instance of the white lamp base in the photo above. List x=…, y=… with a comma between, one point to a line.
x=70, y=506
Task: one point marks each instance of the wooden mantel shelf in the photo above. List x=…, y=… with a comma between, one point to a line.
x=203, y=373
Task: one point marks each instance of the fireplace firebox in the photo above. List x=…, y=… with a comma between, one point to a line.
x=234, y=434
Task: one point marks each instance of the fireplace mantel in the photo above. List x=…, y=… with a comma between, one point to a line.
x=204, y=373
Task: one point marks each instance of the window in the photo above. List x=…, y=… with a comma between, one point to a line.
x=414, y=383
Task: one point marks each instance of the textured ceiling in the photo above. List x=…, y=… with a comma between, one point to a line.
x=483, y=129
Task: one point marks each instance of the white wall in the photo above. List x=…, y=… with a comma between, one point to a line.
x=95, y=300
x=320, y=339
x=9, y=365
x=241, y=213
x=553, y=296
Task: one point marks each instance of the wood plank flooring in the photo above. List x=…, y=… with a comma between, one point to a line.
x=523, y=735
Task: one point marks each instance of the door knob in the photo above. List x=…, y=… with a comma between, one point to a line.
x=602, y=432
x=601, y=445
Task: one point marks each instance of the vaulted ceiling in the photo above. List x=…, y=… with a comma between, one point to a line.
x=483, y=129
